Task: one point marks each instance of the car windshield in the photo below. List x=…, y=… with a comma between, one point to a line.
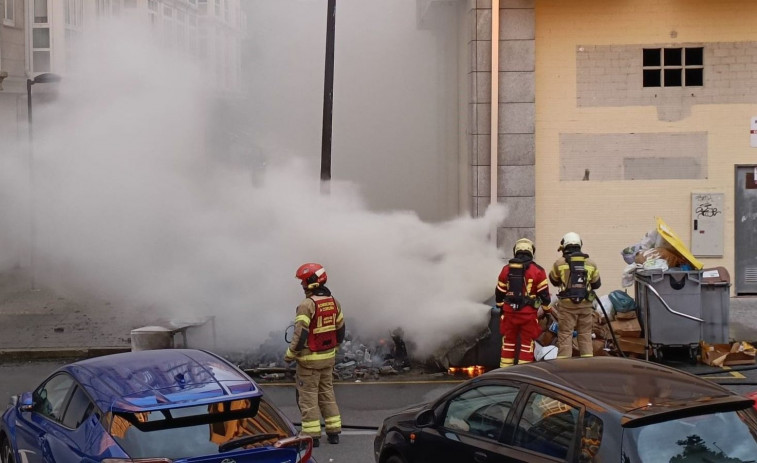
x=728, y=437
x=199, y=430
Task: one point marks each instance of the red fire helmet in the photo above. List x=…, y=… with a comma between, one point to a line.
x=311, y=275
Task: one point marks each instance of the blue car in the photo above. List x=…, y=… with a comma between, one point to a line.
x=155, y=406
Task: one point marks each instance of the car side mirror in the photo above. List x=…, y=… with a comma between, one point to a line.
x=25, y=402
x=425, y=418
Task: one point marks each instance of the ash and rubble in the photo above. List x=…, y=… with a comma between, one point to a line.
x=356, y=359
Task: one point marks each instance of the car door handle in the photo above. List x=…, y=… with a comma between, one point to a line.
x=479, y=457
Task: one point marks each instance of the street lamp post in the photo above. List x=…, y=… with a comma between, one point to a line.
x=328, y=99
x=40, y=79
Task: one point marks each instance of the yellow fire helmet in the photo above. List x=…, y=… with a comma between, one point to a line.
x=524, y=244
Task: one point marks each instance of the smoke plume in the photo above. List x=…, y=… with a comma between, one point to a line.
x=133, y=201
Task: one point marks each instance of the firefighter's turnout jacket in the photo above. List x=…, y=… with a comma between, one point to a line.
x=560, y=277
x=313, y=331
x=519, y=298
x=319, y=329
x=577, y=277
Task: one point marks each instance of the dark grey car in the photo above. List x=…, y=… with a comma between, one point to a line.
x=601, y=409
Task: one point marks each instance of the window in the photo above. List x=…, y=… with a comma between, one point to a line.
x=673, y=67
x=168, y=29
x=197, y=430
x=481, y=411
x=721, y=437
x=102, y=8
x=79, y=408
x=41, y=44
x=591, y=438
x=547, y=426
x=50, y=398
x=218, y=7
x=73, y=13
x=40, y=11
x=180, y=29
x=8, y=16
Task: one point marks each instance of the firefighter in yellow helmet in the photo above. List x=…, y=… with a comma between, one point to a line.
x=319, y=329
x=577, y=277
x=521, y=289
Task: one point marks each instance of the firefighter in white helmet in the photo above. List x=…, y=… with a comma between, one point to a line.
x=577, y=277
x=319, y=329
x=522, y=288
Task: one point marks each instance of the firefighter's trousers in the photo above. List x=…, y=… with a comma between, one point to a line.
x=315, y=391
x=579, y=319
x=512, y=325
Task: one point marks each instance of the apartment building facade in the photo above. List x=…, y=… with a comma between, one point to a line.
x=42, y=36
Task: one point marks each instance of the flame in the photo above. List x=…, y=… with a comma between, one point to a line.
x=469, y=371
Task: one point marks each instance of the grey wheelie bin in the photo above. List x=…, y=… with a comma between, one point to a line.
x=670, y=309
x=716, y=305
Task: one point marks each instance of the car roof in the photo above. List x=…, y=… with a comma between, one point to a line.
x=157, y=379
x=635, y=388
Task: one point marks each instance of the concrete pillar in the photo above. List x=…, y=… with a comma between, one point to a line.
x=515, y=129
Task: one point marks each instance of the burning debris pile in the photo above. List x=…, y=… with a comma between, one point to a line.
x=356, y=359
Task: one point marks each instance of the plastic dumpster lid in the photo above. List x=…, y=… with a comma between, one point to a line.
x=716, y=276
x=671, y=238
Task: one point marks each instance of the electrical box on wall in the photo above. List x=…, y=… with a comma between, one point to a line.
x=707, y=221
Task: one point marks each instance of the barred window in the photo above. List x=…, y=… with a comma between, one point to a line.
x=673, y=67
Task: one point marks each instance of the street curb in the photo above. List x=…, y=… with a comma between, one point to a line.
x=50, y=353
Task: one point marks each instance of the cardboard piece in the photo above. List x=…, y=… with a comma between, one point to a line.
x=625, y=315
x=719, y=355
x=626, y=328
x=633, y=345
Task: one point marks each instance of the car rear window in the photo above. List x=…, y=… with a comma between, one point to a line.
x=197, y=431
x=717, y=437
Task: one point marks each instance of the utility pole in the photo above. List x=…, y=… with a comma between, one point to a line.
x=45, y=78
x=328, y=99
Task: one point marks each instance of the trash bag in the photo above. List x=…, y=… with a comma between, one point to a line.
x=628, y=274
x=607, y=304
x=656, y=264
x=622, y=302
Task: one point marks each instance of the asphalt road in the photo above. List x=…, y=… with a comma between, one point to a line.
x=362, y=405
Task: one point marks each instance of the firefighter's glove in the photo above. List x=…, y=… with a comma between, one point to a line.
x=543, y=312
x=289, y=357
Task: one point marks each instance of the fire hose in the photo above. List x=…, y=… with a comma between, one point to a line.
x=612, y=332
x=350, y=426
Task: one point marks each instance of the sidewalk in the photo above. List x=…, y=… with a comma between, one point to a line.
x=36, y=324
x=40, y=324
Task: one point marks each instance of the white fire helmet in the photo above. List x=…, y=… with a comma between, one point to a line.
x=571, y=238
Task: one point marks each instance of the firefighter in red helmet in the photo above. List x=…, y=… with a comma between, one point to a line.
x=522, y=288
x=319, y=329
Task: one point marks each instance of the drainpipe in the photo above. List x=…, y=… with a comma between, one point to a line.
x=494, y=107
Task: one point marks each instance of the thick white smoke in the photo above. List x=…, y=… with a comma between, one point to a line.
x=133, y=205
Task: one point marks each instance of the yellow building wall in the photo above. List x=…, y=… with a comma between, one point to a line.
x=610, y=215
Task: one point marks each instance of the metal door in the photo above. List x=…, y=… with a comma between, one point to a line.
x=745, y=209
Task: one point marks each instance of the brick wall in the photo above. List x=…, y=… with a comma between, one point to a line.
x=592, y=111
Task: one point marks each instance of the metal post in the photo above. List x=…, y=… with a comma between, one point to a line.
x=32, y=199
x=328, y=99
